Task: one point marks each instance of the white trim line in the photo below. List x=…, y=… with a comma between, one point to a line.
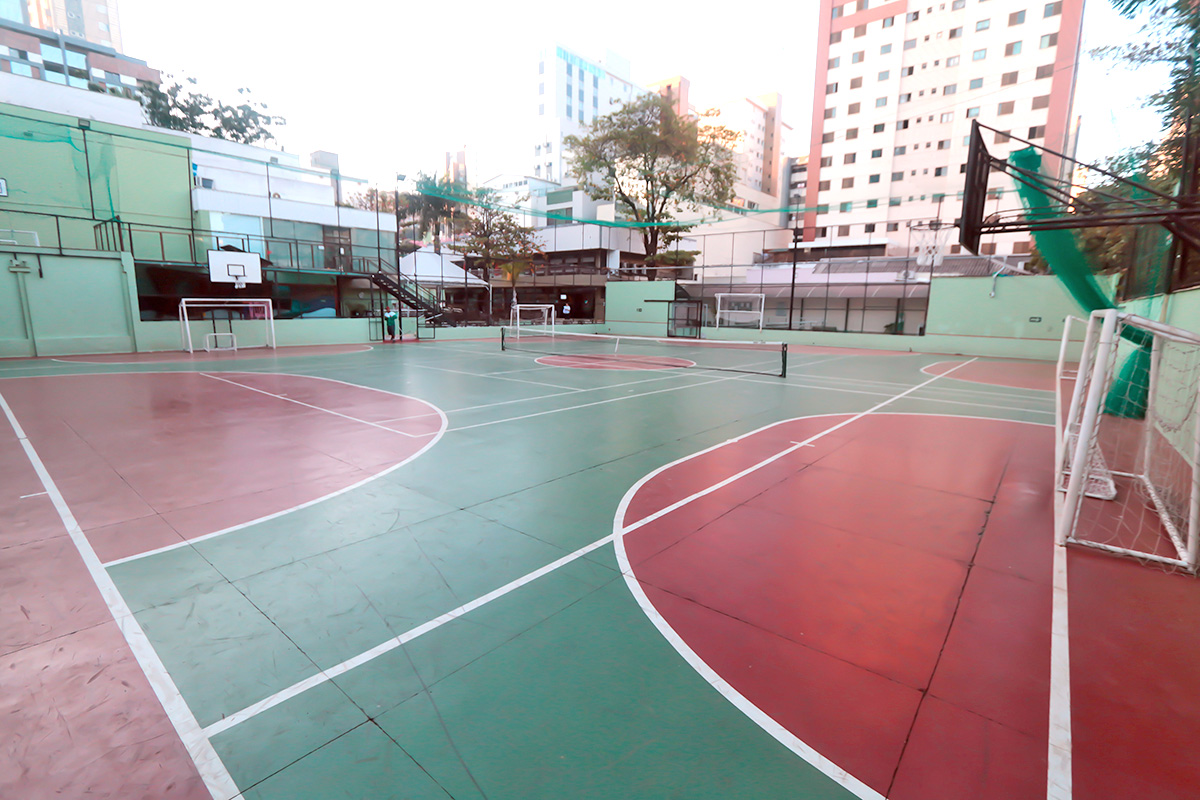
x=233, y=528
x=1059, y=745
x=208, y=764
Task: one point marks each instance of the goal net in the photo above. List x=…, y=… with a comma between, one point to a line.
x=213, y=324
x=740, y=310
x=1130, y=442
x=533, y=315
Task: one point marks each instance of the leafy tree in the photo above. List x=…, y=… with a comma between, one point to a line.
x=498, y=240
x=653, y=162
x=181, y=108
x=432, y=206
x=373, y=200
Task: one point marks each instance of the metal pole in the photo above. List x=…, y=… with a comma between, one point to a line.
x=797, y=234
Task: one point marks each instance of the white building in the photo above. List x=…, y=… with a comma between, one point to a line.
x=898, y=86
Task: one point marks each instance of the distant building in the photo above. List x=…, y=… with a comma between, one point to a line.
x=96, y=21
x=571, y=92
x=796, y=171
x=898, y=86
x=456, y=167
x=44, y=55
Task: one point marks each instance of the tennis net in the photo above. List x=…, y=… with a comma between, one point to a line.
x=606, y=351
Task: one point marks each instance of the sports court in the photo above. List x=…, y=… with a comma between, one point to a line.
x=442, y=569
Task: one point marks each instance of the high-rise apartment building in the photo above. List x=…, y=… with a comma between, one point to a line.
x=898, y=85
x=759, y=151
x=573, y=91
x=94, y=20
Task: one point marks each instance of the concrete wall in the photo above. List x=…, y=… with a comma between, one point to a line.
x=630, y=307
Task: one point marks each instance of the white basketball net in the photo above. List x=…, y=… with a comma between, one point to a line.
x=929, y=241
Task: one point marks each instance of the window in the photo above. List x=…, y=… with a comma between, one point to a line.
x=1046, y=71
x=909, y=44
x=973, y=112
x=907, y=71
x=103, y=26
x=860, y=30
x=823, y=186
x=983, y=25
x=873, y=179
x=958, y=5
x=869, y=227
x=956, y=33
x=541, y=68
x=892, y=227
x=944, y=144
x=905, y=98
x=541, y=110
x=581, y=93
x=885, y=49
x=879, y=126
x=947, y=116
x=834, y=63
x=856, y=83
x=1052, y=9
x=570, y=91
x=830, y=113
x=1049, y=40
x=568, y=69
x=595, y=103
x=912, y=16
x=901, y=150
x=843, y=230
x=853, y=108
x=938, y=172
x=847, y=183
x=872, y=203
x=893, y=201
x=1012, y=49
x=889, y=22
x=826, y=161
x=1042, y=101
x=862, y=5
x=951, y=88
x=849, y=158
x=830, y=88
x=581, y=115
x=976, y=83
x=826, y=137
x=851, y=133
x=880, y=102
x=883, y=76
x=595, y=81
x=837, y=12
x=856, y=58
x=541, y=88
x=979, y=55
x=569, y=111
x=1016, y=18
x=902, y=125
x=1020, y=248
x=1037, y=132
x=835, y=37
x=1008, y=79
x=952, y=61
x=1003, y=136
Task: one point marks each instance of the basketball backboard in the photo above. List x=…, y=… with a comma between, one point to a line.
x=231, y=266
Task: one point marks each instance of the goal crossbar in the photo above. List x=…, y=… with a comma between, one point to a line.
x=746, y=307
x=187, y=304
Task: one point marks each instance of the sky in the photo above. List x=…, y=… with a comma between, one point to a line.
x=392, y=86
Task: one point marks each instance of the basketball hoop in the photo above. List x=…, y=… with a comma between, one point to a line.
x=929, y=241
x=240, y=283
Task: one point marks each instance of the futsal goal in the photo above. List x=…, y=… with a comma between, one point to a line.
x=1129, y=444
x=539, y=316
x=740, y=310
x=235, y=323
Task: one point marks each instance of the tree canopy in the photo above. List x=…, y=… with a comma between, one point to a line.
x=652, y=163
x=181, y=108
x=433, y=205
x=497, y=239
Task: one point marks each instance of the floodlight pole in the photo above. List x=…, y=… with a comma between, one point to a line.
x=797, y=234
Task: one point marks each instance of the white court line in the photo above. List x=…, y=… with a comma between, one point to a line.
x=315, y=408
x=208, y=764
x=1059, y=761
x=489, y=375
x=927, y=367
x=35, y=494
x=587, y=405
x=391, y=644
x=234, y=528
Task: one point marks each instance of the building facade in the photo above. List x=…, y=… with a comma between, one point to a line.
x=898, y=86
x=67, y=60
x=96, y=21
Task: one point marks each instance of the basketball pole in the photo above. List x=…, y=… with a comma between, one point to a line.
x=797, y=233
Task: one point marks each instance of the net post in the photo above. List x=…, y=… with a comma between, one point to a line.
x=1193, y=536
x=502, y=343
x=783, y=369
x=1087, y=426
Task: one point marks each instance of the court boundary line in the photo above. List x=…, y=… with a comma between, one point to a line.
x=926, y=368
x=234, y=528
x=67, y=359
x=207, y=762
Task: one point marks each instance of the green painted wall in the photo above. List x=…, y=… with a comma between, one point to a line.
x=59, y=305
x=629, y=308
x=142, y=176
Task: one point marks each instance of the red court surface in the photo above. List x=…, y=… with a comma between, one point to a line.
x=286, y=441
x=617, y=361
x=179, y=356
x=1017, y=374
x=883, y=594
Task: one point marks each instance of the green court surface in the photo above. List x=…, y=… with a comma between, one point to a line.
x=404, y=638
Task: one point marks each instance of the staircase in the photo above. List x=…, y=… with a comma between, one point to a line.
x=413, y=296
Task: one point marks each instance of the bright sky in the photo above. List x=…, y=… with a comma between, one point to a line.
x=392, y=86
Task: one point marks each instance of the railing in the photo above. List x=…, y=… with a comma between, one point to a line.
x=44, y=233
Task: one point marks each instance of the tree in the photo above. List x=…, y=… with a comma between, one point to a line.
x=374, y=200
x=433, y=204
x=498, y=240
x=181, y=108
x=653, y=162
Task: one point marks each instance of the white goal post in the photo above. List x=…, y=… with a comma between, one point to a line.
x=537, y=315
x=258, y=310
x=1129, y=444
x=740, y=310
